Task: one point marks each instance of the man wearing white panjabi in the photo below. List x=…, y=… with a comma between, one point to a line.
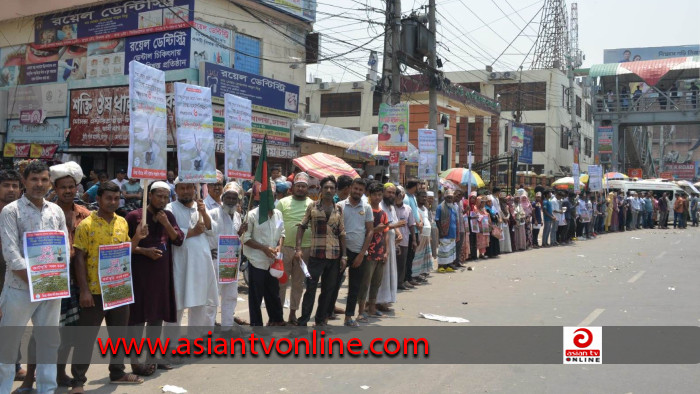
x=193, y=269
x=389, y=286
x=225, y=220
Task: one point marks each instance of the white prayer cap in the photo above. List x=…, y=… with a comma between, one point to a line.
x=233, y=187
x=160, y=185
x=431, y=194
x=71, y=169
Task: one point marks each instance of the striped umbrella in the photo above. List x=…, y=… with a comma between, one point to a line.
x=320, y=165
x=617, y=176
x=567, y=183
x=445, y=184
x=461, y=176
x=368, y=146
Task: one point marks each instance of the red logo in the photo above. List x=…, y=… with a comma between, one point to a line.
x=584, y=339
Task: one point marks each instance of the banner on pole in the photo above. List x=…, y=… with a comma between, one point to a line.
x=195, y=134
x=148, y=122
x=238, y=144
x=393, y=127
x=595, y=178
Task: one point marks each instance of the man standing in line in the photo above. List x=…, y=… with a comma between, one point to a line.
x=411, y=200
x=358, y=220
x=91, y=194
x=663, y=211
x=693, y=209
x=446, y=218
x=549, y=237
x=213, y=199
x=388, y=287
x=30, y=213
x=293, y=209
x=152, y=266
x=261, y=245
x=103, y=227
x=10, y=190
x=461, y=231
x=327, y=257
x=344, y=183
x=404, y=214
x=562, y=225
x=678, y=211
x=225, y=220
x=193, y=269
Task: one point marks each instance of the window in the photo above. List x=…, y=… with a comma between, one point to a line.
x=247, y=55
x=375, y=130
x=587, y=146
x=578, y=106
x=531, y=96
x=589, y=114
x=341, y=104
x=376, y=101
x=539, y=132
x=564, y=138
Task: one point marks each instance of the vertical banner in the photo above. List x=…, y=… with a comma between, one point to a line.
x=525, y=155
x=427, y=147
x=470, y=161
x=238, y=145
x=393, y=127
x=195, y=134
x=46, y=255
x=605, y=143
x=576, y=174
x=116, y=281
x=229, y=253
x=148, y=122
x=595, y=178
x=518, y=136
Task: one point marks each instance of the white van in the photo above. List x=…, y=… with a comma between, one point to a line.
x=658, y=188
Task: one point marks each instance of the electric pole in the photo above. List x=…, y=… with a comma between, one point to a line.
x=432, y=91
x=391, y=72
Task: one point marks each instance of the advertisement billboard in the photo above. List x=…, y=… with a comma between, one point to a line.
x=624, y=55
x=525, y=156
x=302, y=9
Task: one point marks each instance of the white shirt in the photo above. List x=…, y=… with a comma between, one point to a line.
x=268, y=234
x=120, y=184
x=193, y=268
x=210, y=203
x=425, y=218
x=222, y=224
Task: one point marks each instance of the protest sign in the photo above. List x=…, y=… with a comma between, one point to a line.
x=229, y=254
x=46, y=255
x=195, y=134
x=595, y=178
x=238, y=145
x=116, y=281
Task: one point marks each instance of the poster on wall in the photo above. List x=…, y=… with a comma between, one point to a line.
x=148, y=122
x=46, y=254
x=238, y=139
x=116, y=281
x=525, y=156
x=26, y=65
x=393, y=127
x=111, y=21
x=105, y=58
x=52, y=99
x=210, y=44
x=195, y=134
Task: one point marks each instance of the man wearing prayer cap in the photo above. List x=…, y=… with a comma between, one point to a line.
x=194, y=272
x=152, y=265
x=213, y=199
x=281, y=189
x=225, y=220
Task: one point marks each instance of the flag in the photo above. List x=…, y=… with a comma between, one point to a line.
x=267, y=200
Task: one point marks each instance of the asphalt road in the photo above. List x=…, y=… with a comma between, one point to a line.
x=644, y=277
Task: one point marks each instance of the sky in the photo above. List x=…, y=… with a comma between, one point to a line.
x=472, y=34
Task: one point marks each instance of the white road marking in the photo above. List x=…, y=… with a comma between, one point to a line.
x=637, y=276
x=660, y=255
x=590, y=318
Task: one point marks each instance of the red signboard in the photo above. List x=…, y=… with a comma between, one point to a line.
x=666, y=175
x=635, y=173
x=100, y=116
x=16, y=150
x=681, y=171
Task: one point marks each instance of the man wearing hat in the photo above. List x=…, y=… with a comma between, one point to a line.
x=194, y=274
x=213, y=199
x=225, y=220
x=293, y=209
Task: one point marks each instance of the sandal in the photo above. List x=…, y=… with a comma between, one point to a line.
x=351, y=323
x=362, y=318
x=376, y=314
x=143, y=369
x=165, y=367
x=128, y=378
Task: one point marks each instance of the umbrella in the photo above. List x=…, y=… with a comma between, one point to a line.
x=618, y=176
x=567, y=183
x=583, y=178
x=697, y=184
x=445, y=184
x=320, y=165
x=368, y=146
x=461, y=176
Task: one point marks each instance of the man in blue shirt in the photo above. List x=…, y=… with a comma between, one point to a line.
x=90, y=195
x=446, y=219
x=410, y=200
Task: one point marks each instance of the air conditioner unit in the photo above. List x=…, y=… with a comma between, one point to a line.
x=508, y=75
x=358, y=85
x=324, y=86
x=311, y=118
x=494, y=76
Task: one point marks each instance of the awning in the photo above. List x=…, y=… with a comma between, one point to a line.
x=330, y=135
x=651, y=71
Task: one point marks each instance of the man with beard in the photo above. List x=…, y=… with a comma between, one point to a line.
x=193, y=269
x=411, y=201
x=152, y=266
x=359, y=224
x=327, y=257
x=225, y=220
x=389, y=286
x=405, y=214
x=10, y=191
x=293, y=209
x=101, y=228
x=446, y=218
x=30, y=213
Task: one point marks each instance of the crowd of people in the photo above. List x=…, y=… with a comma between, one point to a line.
x=382, y=237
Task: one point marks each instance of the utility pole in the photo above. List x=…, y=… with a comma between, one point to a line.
x=432, y=90
x=391, y=72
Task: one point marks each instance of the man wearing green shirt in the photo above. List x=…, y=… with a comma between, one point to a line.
x=293, y=209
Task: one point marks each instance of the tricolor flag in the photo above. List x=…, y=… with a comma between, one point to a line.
x=267, y=199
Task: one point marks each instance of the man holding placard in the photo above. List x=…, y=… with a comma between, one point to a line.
x=101, y=228
x=226, y=221
x=30, y=213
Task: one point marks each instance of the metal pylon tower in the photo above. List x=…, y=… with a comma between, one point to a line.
x=552, y=47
